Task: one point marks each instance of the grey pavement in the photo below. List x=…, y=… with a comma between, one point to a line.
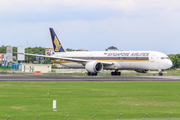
x=11, y=77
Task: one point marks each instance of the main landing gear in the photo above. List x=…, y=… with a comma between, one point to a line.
x=160, y=73
x=92, y=74
x=116, y=73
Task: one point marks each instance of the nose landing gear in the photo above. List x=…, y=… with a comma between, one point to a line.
x=116, y=73
x=160, y=73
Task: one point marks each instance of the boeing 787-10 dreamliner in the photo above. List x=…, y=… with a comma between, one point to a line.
x=95, y=62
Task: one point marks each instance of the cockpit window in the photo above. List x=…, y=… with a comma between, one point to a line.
x=164, y=57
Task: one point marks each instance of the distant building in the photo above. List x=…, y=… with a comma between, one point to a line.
x=2, y=58
x=44, y=68
x=2, y=55
x=49, y=52
x=112, y=48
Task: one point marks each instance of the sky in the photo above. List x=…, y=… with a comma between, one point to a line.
x=94, y=25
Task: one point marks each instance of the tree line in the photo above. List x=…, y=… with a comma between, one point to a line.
x=175, y=58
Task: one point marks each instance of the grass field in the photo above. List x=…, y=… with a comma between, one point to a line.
x=81, y=100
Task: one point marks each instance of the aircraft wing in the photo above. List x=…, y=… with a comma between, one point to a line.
x=63, y=58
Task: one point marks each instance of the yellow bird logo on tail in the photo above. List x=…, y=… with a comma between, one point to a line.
x=56, y=42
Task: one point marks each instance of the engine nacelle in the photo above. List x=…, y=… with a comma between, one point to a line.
x=142, y=71
x=94, y=67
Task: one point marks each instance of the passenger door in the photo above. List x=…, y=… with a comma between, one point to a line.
x=152, y=62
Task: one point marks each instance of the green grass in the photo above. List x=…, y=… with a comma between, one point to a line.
x=81, y=100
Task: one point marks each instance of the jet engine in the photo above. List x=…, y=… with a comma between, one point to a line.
x=94, y=67
x=142, y=71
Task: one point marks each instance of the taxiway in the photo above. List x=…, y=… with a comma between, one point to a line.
x=86, y=78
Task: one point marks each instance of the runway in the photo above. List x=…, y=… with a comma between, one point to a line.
x=86, y=78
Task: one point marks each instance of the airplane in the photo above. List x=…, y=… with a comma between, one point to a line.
x=97, y=61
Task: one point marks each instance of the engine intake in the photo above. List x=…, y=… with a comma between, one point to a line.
x=94, y=67
x=142, y=71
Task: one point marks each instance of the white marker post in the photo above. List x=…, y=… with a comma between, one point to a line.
x=54, y=105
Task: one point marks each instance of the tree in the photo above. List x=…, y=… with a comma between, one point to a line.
x=3, y=49
x=175, y=58
x=14, y=50
x=47, y=61
x=68, y=50
x=33, y=50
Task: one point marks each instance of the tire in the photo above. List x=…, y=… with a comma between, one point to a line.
x=160, y=74
x=112, y=73
x=119, y=73
x=89, y=74
x=95, y=74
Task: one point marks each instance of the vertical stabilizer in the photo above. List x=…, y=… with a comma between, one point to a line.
x=57, y=46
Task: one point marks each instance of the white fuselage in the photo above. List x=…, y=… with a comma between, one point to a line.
x=148, y=60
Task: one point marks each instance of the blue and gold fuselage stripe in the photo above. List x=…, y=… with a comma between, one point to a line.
x=107, y=59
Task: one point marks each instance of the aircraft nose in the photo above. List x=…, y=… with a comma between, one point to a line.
x=169, y=64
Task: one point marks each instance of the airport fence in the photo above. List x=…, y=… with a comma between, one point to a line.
x=119, y=118
x=149, y=119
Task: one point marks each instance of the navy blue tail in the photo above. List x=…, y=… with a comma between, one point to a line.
x=57, y=46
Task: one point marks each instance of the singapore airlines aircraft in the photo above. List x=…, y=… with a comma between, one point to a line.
x=95, y=62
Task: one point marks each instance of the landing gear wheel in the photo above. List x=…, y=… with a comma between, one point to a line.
x=115, y=73
x=92, y=74
x=160, y=74
x=89, y=74
x=119, y=73
x=95, y=74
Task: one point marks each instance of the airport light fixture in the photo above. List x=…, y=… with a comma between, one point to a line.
x=54, y=105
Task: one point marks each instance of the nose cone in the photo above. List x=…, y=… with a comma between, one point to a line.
x=169, y=64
